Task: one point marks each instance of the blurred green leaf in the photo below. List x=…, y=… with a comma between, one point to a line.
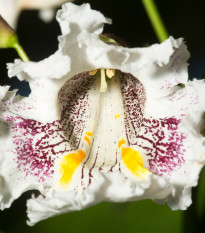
x=142, y=216
x=200, y=197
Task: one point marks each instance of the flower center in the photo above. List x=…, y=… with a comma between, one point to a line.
x=109, y=73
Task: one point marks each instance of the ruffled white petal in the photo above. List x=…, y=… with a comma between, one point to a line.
x=91, y=53
x=72, y=17
x=28, y=150
x=44, y=90
x=182, y=157
x=109, y=187
x=58, y=65
x=57, y=202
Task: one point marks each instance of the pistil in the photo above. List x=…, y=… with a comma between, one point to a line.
x=103, y=73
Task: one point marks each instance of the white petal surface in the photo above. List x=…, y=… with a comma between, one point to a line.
x=44, y=90
x=3, y=91
x=57, y=202
x=28, y=150
x=72, y=17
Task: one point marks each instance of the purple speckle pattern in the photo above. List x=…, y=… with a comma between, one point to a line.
x=191, y=97
x=160, y=138
x=134, y=96
x=37, y=145
x=163, y=144
x=74, y=107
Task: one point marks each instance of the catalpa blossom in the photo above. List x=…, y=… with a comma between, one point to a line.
x=102, y=123
x=10, y=9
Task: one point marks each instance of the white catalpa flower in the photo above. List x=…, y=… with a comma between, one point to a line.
x=102, y=123
x=10, y=9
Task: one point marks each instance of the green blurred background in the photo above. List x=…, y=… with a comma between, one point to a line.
x=182, y=19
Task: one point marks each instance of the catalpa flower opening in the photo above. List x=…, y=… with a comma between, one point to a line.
x=102, y=123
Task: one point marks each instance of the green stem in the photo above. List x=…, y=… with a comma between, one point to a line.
x=20, y=51
x=155, y=19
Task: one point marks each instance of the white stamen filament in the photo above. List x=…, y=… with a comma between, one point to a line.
x=103, y=86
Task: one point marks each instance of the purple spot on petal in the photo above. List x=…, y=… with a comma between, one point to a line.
x=134, y=100
x=163, y=143
x=37, y=146
x=74, y=106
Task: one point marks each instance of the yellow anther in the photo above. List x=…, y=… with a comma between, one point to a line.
x=103, y=72
x=110, y=73
x=93, y=72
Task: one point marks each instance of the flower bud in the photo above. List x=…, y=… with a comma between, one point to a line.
x=7, y=35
